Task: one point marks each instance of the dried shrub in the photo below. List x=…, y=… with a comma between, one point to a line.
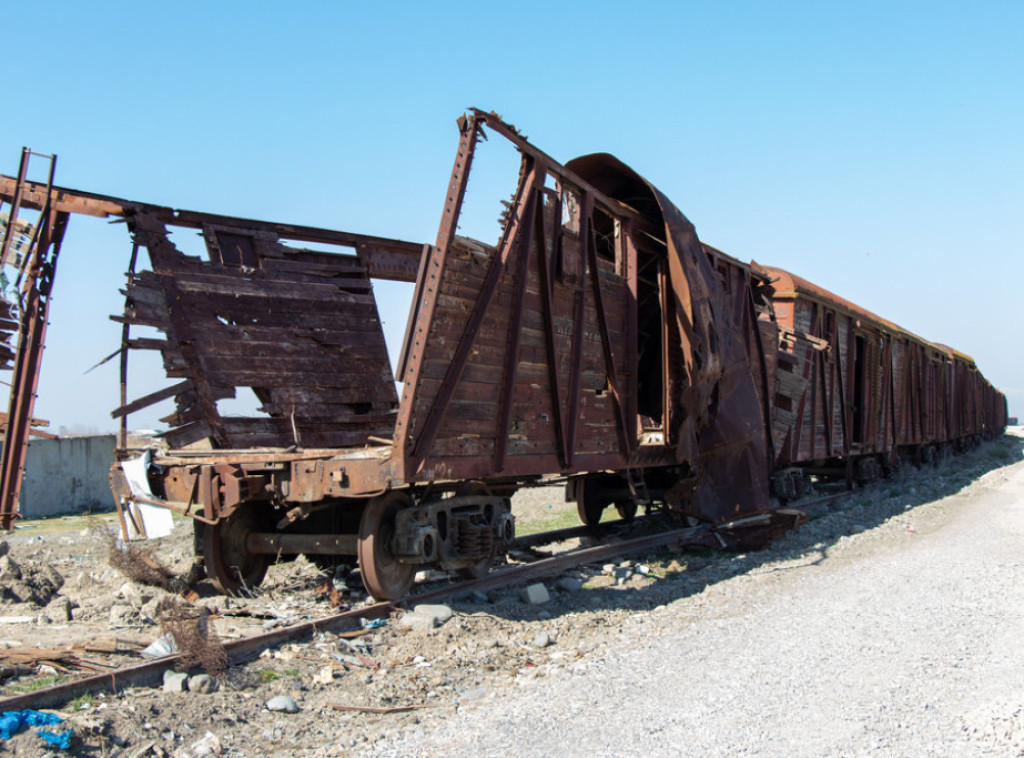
x=139, y=564
x=197, y=641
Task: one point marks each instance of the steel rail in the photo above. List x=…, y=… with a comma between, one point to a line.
x=239, y=651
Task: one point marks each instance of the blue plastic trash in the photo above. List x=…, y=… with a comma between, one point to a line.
x=11, y=723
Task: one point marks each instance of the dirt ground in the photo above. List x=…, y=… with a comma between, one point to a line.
x=59, y=591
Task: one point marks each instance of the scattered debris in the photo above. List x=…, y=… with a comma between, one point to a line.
x=209, y=745
x=59, y=659
x=333, y=596
x=11, y=723
x=23, y=582
x=139, y=564
x=193, y=635
x=568, y=584
x=175, y=681
x=542, y=640
x=204, y=684
x=161, y=647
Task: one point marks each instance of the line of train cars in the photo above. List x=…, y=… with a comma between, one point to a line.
x=598, y=343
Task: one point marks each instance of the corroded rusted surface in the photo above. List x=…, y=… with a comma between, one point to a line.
x=851, y=383
x=28, y=262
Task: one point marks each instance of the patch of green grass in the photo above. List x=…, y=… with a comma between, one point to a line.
x=24, y=686
x=291, y=672
x=566, y=518
x=267, y=675
x=82, y=702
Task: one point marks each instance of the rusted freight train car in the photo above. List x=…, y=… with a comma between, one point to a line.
x=857, y=395
x=595, y=341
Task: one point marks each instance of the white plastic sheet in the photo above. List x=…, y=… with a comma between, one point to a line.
x=156, y=521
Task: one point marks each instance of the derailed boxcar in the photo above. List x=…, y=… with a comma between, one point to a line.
x=595, y=340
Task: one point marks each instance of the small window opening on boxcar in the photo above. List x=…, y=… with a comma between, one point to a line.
x=233, y=249
x=723, y=277
x=566, y=245
x=606, y=236
x=570, y=211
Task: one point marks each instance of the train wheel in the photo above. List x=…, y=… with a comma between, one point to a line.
x=627, y=510
x=590, y=501
x=384, y=577
x=228, y=562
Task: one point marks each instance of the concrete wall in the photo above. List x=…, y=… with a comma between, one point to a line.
x=67, y=475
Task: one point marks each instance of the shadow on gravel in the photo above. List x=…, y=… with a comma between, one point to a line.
x=687, y=573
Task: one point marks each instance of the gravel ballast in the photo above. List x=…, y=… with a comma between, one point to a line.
x=889, y=624
x=904, y=639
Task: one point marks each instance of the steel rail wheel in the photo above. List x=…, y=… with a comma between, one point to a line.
x=590, y=500
x=384, y=577
x=228, y=562
x=627, y=510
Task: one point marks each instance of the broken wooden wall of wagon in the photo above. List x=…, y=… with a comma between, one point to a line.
x=297, y=326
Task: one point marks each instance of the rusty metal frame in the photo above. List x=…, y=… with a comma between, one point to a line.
x=37, y=269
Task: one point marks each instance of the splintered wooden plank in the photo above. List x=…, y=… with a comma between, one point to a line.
x=238, y=320
x=237, y=286
x=152, y=398
x=291, y=394
x=271, y=376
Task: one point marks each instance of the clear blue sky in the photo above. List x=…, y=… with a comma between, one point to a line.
x=874, y=148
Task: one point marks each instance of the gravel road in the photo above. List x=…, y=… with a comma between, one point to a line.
x=903, y=639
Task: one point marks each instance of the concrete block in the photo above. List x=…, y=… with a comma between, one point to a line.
x=175, y=681
x=535, y=594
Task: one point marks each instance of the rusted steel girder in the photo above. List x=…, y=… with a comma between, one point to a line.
x=36, y=267
x=383, y=258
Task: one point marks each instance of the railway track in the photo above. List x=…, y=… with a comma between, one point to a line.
x=242, y=650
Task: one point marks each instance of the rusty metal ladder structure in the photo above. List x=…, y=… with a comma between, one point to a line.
x=31, y=251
